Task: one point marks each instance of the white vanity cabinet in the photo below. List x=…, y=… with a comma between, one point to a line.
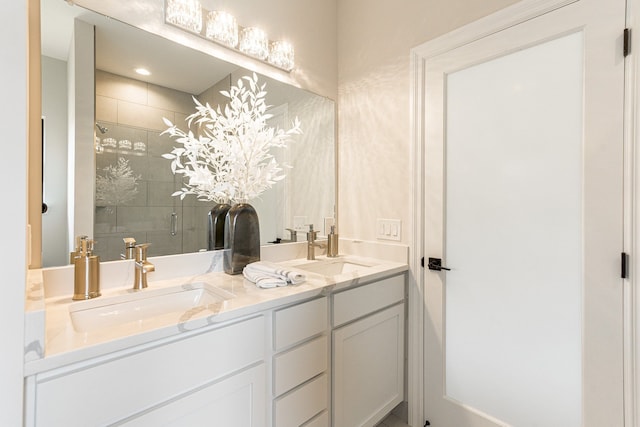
x=300, y=365
x=218, y=375
x=327, y=359
x=368, y=352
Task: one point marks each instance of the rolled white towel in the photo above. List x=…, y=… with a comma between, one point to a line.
x=270, y=275
x=265, y=281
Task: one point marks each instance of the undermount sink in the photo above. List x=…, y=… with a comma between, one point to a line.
x=140, y=307
x=334, y=266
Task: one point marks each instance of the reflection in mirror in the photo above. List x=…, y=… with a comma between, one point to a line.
x=131, y=189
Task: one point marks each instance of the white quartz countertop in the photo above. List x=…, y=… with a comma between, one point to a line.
x=53, y=341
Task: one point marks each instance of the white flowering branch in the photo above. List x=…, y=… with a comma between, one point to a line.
x=231, y=159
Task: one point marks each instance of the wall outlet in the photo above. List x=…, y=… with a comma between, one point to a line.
x=389, y=229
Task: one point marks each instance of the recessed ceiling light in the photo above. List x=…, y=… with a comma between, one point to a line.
x=143, y=71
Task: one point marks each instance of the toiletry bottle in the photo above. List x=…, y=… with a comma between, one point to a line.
x=332, y=243
x=86, y=277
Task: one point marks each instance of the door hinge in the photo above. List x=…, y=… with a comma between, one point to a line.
x=624, y=265
x=626, y=44
x=422, y=262
x=427, y=423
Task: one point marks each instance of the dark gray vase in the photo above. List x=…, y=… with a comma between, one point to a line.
x=215, y=226
x=241, y=238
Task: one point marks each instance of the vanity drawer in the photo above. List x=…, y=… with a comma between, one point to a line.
x=297, y=323
x=111, y=390
x=358, y=302
x=300, y=364
x=301, y=405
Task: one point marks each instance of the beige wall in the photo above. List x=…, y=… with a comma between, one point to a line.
x=374, y=43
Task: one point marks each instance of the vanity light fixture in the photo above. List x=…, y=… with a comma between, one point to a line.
x=185, y=14
x=254, y=42
x=222, y=28
x=281, y=55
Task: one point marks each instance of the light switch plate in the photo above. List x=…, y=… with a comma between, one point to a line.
x=389, y=229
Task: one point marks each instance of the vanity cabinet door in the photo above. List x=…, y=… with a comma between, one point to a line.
x=111, y=389
x=368, y=363
x=238, y=401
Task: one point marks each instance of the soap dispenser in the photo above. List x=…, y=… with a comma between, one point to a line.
x=73, y=254
x=332, y=243
x=86, y=283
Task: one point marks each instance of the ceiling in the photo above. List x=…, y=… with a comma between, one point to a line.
x=121, y=48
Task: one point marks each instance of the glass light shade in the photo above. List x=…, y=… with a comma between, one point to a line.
x=281, y=55
x=254, y=42
x=222, y=27
x=186, y=14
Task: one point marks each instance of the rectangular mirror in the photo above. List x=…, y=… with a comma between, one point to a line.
x=102, y=124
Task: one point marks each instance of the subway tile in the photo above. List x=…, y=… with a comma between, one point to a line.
x=136, y=219
x=141, y=196
x=181, y=121
x=142, y=116
x=119, y=87
x=104, y=219
x=106, y=109
x=170, y=99
x=105, y=159
x=159, y=169
x=158, y=145
x=160, y=194
x=163, y=243
x=195, y=228
x=139, y=164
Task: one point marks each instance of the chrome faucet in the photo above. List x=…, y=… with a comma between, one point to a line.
x=311, y=243
x=294, y=234
x=142, y=266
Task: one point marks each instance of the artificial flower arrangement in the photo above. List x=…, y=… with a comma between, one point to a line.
x=231, y=158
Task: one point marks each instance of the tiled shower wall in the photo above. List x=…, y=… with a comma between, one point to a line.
x=132, y=111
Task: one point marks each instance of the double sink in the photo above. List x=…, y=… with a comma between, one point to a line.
x=136, y=308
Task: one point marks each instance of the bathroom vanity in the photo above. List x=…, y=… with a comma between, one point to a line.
x=329, y=351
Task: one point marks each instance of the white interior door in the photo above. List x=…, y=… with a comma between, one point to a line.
x=523, y=201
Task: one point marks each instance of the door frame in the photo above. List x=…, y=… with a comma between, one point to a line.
x=513, y=15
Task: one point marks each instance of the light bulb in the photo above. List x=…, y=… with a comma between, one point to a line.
x=254, y=42
x=222, y=27
x=184, y=13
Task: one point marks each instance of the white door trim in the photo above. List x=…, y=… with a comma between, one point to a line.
x=505, y=18
x=632, y=219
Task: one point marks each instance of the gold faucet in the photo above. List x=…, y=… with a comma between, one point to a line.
x=142, y=266
x=311, y=243
x=129, y=248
